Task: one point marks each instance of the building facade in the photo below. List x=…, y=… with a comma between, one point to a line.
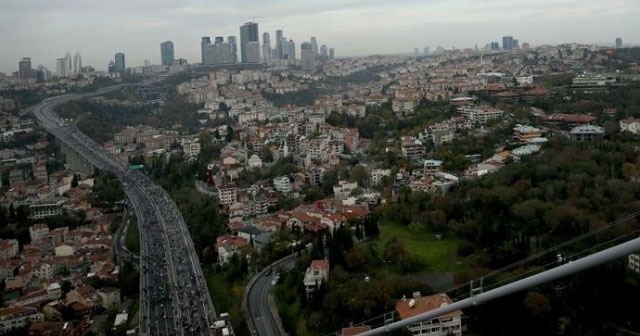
x=167, y=55
x=248, y=33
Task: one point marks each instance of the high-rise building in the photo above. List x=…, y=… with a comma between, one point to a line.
x=248, y=33
x=253, y=52
x=307, y=57
x=69, y=63
x=266, y=39
x=219, y=40
x=24, y=68
x=314, y=45
x=332, y=53
x=77, y=63
x=292, y=51
x=119, y=64
x=495, y=46
x=266, y=47
x=324, y=51
x=61, y=67
x=279, y=39
x=111, y=67
x=525, y=46
x=234, y=47
x=426, y=51
x=618, y=42
x=507, y=42
x=206, y=40
x=167, y=55
x=515, y=44
x=218, y=54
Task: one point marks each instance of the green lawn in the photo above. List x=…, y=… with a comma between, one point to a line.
x=435, y=255
x=132, y=241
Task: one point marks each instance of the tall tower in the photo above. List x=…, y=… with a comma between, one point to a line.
x=61, y=67
x=248, y=33
x=307, y=57
x=68, y=63
x=77, y=62
x=618, y=42
x=314, y=45
x=266, y=47
x=206, y=40
x=507, y=42
x=292, y=50
x=24, y=68
x=167, y=55
x=219, y=40
x=234, y=47
x=279, y=39
x=119, y=64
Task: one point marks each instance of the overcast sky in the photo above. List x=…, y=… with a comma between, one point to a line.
x=45, y=29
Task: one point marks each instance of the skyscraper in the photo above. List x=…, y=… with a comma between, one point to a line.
x=507, y=42
x=618, y=42
x=234, y=47
x=61, y=67
x=68, y=63
x=332, y=53
x=77, y=63
x=253, y=52
x=119, y=65
x=206, y=40
x=314, y=45
x=292, y=51
x=166, y=53
x=324, y=52
x=307, y=57
x=266, y=47
x=279, y=39
x=248, y=33
x=219, y=40
x=24, y=68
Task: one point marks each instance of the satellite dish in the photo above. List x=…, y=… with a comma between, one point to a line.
x=412, y=303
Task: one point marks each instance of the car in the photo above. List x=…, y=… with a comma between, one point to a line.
x=269, y=271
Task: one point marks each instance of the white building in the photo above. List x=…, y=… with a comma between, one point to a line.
x=254, y=161
x=445, y=325
x=630, y=125
x=378, y=174
x=344, y=189
x=480, y=114
x=228, y=194
x=191, y=147
x=524, y=79
x=17, y=317
x=282, y=184
x=315, y=274
x=412, y=148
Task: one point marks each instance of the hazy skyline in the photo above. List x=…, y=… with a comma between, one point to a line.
x=45, y=30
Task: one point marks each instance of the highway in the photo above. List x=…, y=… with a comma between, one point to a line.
x=264, y=320
x=174, y=299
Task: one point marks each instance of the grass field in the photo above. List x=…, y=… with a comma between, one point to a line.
x=132, y=241
x=436, y=255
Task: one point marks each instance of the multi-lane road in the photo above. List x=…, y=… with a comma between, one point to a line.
x=174, y=299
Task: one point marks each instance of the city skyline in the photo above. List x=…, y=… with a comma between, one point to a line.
x=353, y=27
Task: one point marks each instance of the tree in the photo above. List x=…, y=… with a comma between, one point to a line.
x=229, y=136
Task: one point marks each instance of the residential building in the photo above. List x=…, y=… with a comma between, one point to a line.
x=587, y=133
x=525, y=133
x=315, y=274
x=282, y=184
x=449, y=324
x=46, y=208
x=412, y=148
x=431, y=167
x=343, y=190
x=618, y=42
x=191, y=147
x=17, y=317
x=227, y=246
x=480, y=114
x=377, y=175
x=38, y=231
x=8, y=248
x=227, y=194
x=166, y=53
x=353, y=331
x=630, y=125
x=206, y=40
x=507, y=43
x=524, y=79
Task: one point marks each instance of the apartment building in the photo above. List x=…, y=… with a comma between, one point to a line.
x=445, y=325
x=480, y=114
